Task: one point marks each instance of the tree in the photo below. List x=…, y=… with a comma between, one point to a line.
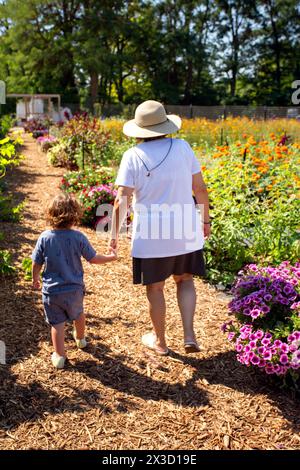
x=39, y=38
x=234, y=20
x=277, y=49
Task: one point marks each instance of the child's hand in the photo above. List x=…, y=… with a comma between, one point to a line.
x=113, y=254
x=101, y=259
x=36, y=284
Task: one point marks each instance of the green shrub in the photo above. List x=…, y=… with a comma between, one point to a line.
x=6, y=267
x=6, y=122
x=27, y=267
x=63, y=154
x=9, y=212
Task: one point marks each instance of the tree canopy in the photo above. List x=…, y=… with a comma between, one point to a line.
x=178, y=51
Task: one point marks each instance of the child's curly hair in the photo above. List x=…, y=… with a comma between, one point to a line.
x=63, y=211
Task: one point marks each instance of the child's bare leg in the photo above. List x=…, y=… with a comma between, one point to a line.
x=79, y=325
x=58, y=338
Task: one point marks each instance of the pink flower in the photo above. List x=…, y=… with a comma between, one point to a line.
x=284, y=359
x=284, y=348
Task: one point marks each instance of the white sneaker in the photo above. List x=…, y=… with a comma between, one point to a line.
x=80, y=343
x=58, y=361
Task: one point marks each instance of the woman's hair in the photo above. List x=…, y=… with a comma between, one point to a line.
x=148, y=139
x=63, y=211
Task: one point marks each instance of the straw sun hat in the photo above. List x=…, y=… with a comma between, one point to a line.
x=151, y=120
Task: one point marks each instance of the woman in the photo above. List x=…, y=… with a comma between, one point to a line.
x=167, y=236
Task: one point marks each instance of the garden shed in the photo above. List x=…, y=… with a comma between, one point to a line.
x=35, y=106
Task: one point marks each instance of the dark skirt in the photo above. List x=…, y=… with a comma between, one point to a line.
x=150, y=270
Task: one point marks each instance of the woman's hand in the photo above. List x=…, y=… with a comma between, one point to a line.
x=113, y=244
x=206, y=230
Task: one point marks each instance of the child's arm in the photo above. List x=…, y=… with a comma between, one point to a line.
x=101, y=259
x=36, y=270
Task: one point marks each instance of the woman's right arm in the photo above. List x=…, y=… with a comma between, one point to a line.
x=201, y=195
x=121, y=205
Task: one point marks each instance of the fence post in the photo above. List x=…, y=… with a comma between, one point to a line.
x=265, y=113
x=191, y=111
x=225, y=113
x=221, y=135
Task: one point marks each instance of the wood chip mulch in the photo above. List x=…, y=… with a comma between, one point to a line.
x=115, y=394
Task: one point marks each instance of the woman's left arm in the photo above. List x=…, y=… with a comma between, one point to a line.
x=201, y=195
x=121, y=205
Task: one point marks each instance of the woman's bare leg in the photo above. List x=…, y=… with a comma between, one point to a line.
x=157, y=309
x=186, y=297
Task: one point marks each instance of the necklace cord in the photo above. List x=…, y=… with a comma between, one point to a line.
x=160, y=163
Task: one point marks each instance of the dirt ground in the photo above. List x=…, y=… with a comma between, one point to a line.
x=115, y=394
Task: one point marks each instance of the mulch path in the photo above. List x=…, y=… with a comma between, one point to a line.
x=116, y=395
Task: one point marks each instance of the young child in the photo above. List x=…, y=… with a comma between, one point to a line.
x=60, y=250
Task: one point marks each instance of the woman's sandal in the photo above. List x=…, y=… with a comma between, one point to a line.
x=149, y=340
x=191, y=347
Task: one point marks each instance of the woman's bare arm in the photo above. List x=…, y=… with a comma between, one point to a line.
x=122, y=202
x=201, y=195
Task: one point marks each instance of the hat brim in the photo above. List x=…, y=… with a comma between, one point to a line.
x=171, y=125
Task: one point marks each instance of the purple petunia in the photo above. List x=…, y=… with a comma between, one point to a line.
x=284, y=359
x=262, y=298
x=255, y=360
x=284, y=348
x=268, y=297
x=255, y=313
x=265, y=341
x=259, y=334
x=265, y=309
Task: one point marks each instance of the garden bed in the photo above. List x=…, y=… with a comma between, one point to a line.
x=252, y=178
x=115, y=395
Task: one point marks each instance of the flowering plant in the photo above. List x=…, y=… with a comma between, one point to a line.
x=46, y=142
x=37, y=127
x=93, y=187
x=76, y=181
x=253, y=191
x=266, y=304
x=93, y=197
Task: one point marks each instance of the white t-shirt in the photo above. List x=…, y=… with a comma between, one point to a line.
x=166, y=222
